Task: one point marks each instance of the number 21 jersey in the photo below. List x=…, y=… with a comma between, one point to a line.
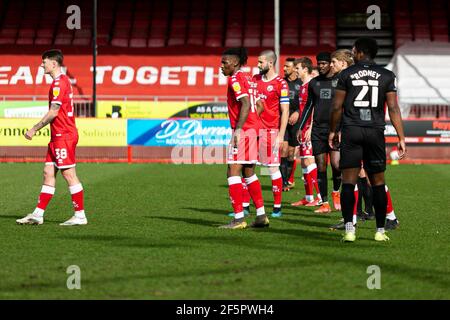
x=366, y=85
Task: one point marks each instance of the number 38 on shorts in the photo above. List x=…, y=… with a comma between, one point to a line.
x=61, y=154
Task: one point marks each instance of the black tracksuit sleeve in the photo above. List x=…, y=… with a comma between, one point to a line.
x=307, y=110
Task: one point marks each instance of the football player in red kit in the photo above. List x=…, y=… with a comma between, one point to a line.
x=274, y=90
x=243, y=148
x=63, y=141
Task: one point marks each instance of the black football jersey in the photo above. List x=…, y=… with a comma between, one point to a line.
x=366, y=85
x=294, y=89
x=320, y=98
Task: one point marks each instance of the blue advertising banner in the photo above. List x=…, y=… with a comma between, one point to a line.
x=173, y=132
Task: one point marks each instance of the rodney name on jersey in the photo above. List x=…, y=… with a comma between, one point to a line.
x=365, y=73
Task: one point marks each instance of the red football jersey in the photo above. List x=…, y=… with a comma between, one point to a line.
x=274, y=92
x=240, y=85
x=63, y=126
x=303, y=98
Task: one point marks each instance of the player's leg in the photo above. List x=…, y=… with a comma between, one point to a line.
x=277, y=184
x=290, y=165
x=77, y=194
x=46, y=194
x=66, y=164
x=269, y=157
x=379, y=203
x=254, y=188
x=350, y=163
x=292, y=145
x=245, y=197
x=348, y=201
x=235, y=191
x=245, y=153
x=291, y=180
x=375, y=166
x=47, y=190
x=365, y=193
x=334, y=159
x=321, y=162
x=284, y=165
x=309, y=170
x=391, y=220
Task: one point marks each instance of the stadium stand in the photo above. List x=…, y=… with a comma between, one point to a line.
x=201, y=23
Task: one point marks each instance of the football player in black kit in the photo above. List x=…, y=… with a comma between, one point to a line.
x=320, y=95
x=360, y=95
x=290, y=138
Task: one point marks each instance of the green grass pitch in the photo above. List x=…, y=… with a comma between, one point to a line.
x=152, y=234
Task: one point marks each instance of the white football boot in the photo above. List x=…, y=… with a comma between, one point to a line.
x=74, y=221
x=31, y=219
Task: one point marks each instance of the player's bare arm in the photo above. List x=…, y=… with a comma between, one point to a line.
x=49, y=116
x=336, y=115
x=259, y=107
x=284, y=121
x=294, y=118
x=396, y=119
x=245, y=109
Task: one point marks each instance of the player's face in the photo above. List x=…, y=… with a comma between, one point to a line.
x=288, y=68
x=356, y=54
x=299, y=70
x=263, y=65
x=337, y=66
x=48, y=65
x=228, y=65
x=324, y=67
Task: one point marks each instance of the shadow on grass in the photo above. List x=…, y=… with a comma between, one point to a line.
x=207, y=210
x=121, y=241
x=201, y=222
x=311, y=249
x=304, y=222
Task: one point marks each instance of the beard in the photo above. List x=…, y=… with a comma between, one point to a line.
x=263, y=71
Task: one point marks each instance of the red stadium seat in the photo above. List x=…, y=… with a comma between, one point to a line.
x=308, y=42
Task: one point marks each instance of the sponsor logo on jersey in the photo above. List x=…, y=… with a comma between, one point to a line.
x=325, y=94
x=56, y=91
x=297, y=87
x=334, y=83
x=270, y=88
x=236, y=87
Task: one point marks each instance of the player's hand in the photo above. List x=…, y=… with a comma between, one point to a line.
x=30, y=133
x=334, y=140
x=280, y=140
x=299, y=136
x=293, y=118
x=308, y=135
x=236, y=137
x=401, y=149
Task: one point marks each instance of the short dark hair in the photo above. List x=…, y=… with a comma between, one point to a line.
x=305, y=62
x=368, y=46
x=54, y=54
x=323, y=56
x=240, y=52
x=291, y=59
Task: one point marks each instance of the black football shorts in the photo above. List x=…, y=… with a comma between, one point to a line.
x=363, y=144
x=319, y=141
x=291, y=134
